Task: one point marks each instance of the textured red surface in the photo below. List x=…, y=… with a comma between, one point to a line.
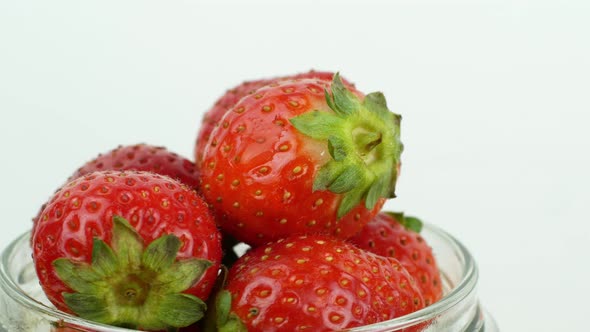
x=258, y=170
x=154, y=205
x=318, y=283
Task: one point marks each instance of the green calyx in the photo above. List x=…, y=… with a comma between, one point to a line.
x=220, y=318
x=410, y=223
x=363, y=139
x=133, y=286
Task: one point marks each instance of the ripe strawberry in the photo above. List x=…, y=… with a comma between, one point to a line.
x=222, y=105
x=132, y=249
x=139, y=157
x=395, y=235
x=297, y=158
x=231, y=97
x=143, y=157
x=313, y=283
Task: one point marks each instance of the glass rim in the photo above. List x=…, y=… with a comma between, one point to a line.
x=460, y=291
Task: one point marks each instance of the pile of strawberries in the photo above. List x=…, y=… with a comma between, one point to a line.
x=297, y=168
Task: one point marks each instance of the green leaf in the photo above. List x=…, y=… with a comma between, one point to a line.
x=412, y=223
x=161, y=253
x=126, y=243
x=329, y=100
x=210, y=322
x=350, y=178
x=233, y=324
x=227, y=321
x=345, y=101
x=316, y=124
x=223, y=306
x=79, y=276
x=390, y=192
x=182, y=274
x=397, y=216
x=104, y=260
x=180, y=310
x=337, y=148
x=375, y=193
x=409, y=223
x=326, y=175
x=375, y=102
x=397, y=119
x=349, y=201
x=88, y=306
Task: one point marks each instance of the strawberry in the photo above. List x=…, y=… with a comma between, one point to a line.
x=398, y=236
x=143, y=157
x=231, y=97
x=313, y=283
x=132, y=249
x=140, y=157
x=301, y=156
x=222, y=105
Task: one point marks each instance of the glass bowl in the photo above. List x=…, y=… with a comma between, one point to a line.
x=24, y=307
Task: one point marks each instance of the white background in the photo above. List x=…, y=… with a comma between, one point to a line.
x=495, y=98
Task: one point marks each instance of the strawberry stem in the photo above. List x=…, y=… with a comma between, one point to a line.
x=363, y=139
x=128, y=285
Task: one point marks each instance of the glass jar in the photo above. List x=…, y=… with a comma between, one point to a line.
x=23, y=306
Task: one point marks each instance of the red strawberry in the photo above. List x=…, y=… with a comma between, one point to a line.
x=132, y=249
x=221, y=106
x=313, y=283
x=140, y=157
x=143, y=157
x=395, y=235
x=293, y=158
x=231, y=97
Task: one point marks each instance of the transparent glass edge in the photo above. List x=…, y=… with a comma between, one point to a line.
x=462, y=290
